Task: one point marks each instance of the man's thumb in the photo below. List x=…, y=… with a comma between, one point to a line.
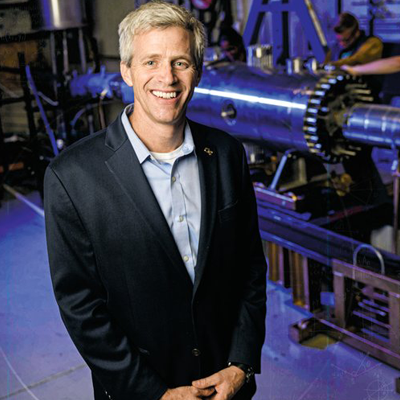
x=205, y=382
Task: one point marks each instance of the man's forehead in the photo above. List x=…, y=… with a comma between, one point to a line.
x=156, y=36
x=161, y=30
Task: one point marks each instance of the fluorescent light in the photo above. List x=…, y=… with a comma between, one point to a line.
x=250, y=99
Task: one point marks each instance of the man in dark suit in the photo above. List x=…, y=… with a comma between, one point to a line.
x=153, y=241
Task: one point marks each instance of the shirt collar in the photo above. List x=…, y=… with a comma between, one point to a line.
x=142, y=152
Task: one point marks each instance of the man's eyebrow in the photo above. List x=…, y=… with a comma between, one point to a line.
x=184, y=56
x=153, y=55
x=175, y=57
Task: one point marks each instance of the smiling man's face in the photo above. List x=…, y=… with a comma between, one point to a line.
x=163, y=75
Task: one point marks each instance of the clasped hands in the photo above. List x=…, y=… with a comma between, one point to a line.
x=222, y=385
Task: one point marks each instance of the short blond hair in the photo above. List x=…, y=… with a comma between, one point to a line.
x=159, y=14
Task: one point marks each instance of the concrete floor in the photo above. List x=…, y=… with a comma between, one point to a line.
x=38, y=360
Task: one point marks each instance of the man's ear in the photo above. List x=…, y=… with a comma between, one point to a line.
x=126, y=73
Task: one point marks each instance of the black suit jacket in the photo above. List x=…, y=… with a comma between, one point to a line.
x=123, y=290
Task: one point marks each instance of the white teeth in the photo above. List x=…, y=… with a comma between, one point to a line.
x=164, y=95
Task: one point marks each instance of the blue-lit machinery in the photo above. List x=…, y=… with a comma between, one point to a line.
x=41, y=42
x=317, y=219
x=321, y=198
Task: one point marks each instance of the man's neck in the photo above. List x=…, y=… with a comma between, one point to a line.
x=157, y=137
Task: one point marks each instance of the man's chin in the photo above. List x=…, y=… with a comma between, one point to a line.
x=171, y=119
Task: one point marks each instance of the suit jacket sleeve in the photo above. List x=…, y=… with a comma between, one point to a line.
x=249, y=332
x=114, y=361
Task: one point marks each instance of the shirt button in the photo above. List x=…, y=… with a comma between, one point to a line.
x=186, y=258
x=173, y=179
x=180, y=219
x=196, y=352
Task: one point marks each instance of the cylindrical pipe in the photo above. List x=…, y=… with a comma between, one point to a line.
x=300, y=112
x=373, y=124
x=59, y=14
x=82, y=50
x=53, y=55
x=396, y=199
x=248, y=102
x=65, y=53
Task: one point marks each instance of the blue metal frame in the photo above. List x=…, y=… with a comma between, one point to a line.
x=307, y=15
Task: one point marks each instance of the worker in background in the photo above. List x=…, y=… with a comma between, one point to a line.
x=353, y=46
x=231, y=45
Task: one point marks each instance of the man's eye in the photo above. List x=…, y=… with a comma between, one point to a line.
x=150, y=63
x=181, y=64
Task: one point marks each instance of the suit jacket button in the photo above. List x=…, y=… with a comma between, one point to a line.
x=196, y=352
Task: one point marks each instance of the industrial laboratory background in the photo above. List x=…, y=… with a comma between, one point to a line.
x=322, y=145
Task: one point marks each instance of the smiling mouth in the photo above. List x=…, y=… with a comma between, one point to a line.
x=165, y=95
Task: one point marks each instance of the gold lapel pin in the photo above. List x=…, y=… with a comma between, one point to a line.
x=208, y=151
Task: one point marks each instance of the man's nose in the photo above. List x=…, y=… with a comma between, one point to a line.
x=167, y=74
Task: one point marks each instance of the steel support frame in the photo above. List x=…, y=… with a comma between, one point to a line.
x=297, y=271
x=333, y=321
x=343, y=271
x=280, y=10
x=278, y=264
x=336, y=324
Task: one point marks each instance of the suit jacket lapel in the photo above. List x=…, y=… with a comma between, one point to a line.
x=126, y=169
x=207, y=160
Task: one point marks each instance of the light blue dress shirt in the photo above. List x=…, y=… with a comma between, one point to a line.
x=176, y=186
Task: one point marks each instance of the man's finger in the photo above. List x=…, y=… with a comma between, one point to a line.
x=205, y=392
x=218, y=396
x=206, y=382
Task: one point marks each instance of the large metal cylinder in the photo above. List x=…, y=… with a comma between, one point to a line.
x=55, y=15
x=322, y=115
x=302, y=112
x=240, y=99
